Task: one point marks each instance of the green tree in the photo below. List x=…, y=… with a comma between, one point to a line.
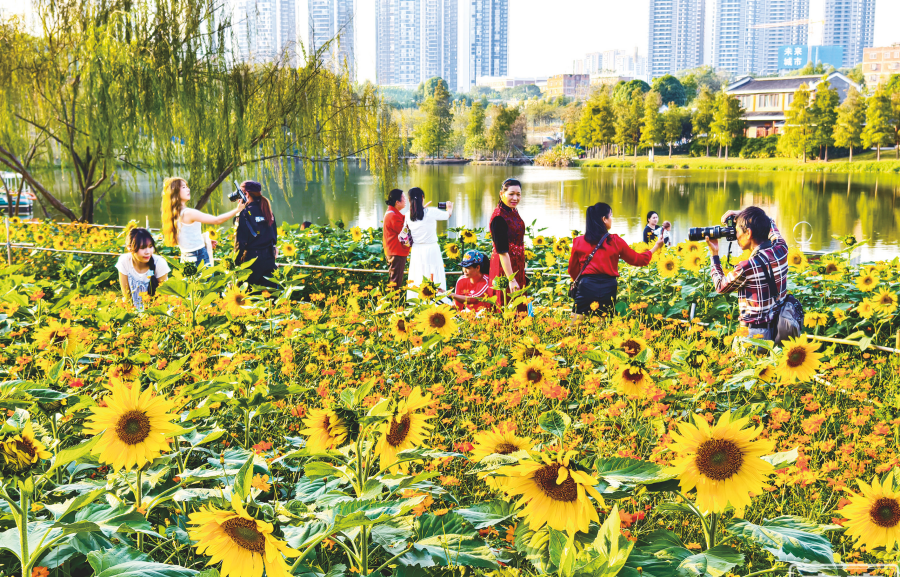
x=653, y=130
x=426, y=89
x=433, y=135
x=498, y=136
x=604, y=120
x=670, y=89
x=728, y=122
x=878, y=131
x=625, y=90
x=695, y=79
x=851, y=115
x=703, y=115
x=798, y=136
x=629, y=118
x=824, y=113
x=475, y=140
x=893, y=90
x=673, y=125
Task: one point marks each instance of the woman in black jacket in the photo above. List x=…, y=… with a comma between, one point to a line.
x=257, y=236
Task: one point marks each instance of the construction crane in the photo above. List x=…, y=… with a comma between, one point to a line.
x=788, y=23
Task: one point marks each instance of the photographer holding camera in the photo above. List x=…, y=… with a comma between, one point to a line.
x=761, y=280
x=257, y=233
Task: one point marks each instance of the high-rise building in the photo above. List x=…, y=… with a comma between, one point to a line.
x=732, y=48
x=483, y=41
x=770, y=33
x=321, y=21
x=258, y=28
x=416, y=40
x=851, y=24
x=676, y=36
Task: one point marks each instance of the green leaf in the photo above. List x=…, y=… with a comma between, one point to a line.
x=103, y=560
x=71, y=454
x=783, y=459
x=623, y=471
x=713, y=562
x=101, y=518
x=447, y=541
x=567, y=557
x=38, y=531
x=393, y=535
x=610, y=550
x=555, y=422
x=787, y=538
x=243, y=479
x=487, y=514
x=657, y=555
x=301, y=536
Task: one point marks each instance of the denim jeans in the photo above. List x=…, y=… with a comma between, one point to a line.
x=201, y=254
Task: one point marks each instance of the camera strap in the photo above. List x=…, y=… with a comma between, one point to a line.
x=246, y=215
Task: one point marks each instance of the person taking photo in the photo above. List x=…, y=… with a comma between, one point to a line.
x=394, y=251
x=257, y=235
x=751, y=278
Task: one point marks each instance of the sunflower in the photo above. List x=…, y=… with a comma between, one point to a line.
x=288, y=249
x=528, y=349
x=55, y=333
x=633, y=346
x=437, y=320
x=427, y=290
x=529, y=256
x=765, y=373
x=40, y=238
x=830, y=267
x=552, y=492
x=813, y=320
x=468, y=237
x=213, y=234
x=693, y=261
x=135, y=426
x=405, y=430
x=667, y=266
x=244, y=545
x=866, y=309
x=499, y=442
x=840, y=315
x=60, y=244
x=538, y=241
x=325, y=429
x=400, y=327
x=356, y=234
x=235, y=300
x=693, y=247
x=23, y=450
x=796, y=259
x=452, y=250
x=722, y=462
x=885, y=301
x=874, y=513
x=534, y=372
x=549, y=259
x=799, y=360
x=630, y=380
x=867, y=282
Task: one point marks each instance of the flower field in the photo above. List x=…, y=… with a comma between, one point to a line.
x=331, y=430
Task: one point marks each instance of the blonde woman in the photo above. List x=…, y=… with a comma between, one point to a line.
x=181, y=225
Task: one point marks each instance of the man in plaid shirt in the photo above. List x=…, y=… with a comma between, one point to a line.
x=758, y=233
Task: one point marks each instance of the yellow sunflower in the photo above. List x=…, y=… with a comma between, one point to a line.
x=400, y=327
x=633, y=346
x=452, y=250
x=235, y=300
x=885, y=301
x=437, y=320
x=325, y=429
x=549, y=259
x=692, y=247
x=630, y=380
x=427, y=290
x=813, y=320
x=528, y=348
x=534, y=373
x=60, y=244
x=552, y=492
x=867, y=282
x=796, y=259
x=667, y=266
x=135, y=426
x=468, y=237
x=356, y=234
x=874, y=513
x=866, y=309
x=243, y=545
x=693, y=261
x=722, y=462
x=406, y=429
x=831, y=267
x=498, y=442
x=539, y=241
x=288, y=249
x=23, y=451
x=798, y=360
x=765, y=373
x=839, y=315
x=213, y=234
x=40, y=238
x=55, y=333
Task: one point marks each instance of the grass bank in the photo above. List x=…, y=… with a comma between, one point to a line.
x=863, y=163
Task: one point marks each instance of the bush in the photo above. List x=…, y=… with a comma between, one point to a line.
x=558, y=156
x=766, y=147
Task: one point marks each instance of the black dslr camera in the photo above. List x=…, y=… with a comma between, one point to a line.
x=729, y=232
x=238, y=194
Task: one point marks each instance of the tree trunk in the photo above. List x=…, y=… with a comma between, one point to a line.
x=826, y=153
x=670, y=150
x=707, y=150
x=878, y=152
x=851, y=153
x=726, y=152
x=804, y=155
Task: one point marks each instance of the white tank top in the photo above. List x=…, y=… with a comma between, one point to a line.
x=190, y=236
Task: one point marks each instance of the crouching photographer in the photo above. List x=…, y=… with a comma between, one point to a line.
x=257, y=233
x=766, y=308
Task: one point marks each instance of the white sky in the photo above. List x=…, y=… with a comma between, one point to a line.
x=545, y=37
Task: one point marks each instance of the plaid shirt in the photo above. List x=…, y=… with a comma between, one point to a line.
x=755, y=301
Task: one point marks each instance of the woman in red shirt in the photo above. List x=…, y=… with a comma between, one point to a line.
x=600, y=277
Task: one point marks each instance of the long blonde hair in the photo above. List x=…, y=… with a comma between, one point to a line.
x=171, y=209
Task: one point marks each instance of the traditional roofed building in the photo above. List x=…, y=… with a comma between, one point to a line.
x=766, y=100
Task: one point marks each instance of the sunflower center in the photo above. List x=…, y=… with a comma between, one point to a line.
x=399, y=431
x=670, y=265
x=885, y=512
x=531, y=352
x=437, y=320
x=886, y=299
x=796, y=356
x=133, y=427
x=505, y=449
x=635, y=377
x=427, y=291
x=534, y=375
x=401, y=325
x=631, y=348
x=830, y=268
x=245, y=534
x=719, y=459
x=567, y=491
x=25, y=446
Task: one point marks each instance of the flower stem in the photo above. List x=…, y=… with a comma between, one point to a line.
x=23, y=531
x=138, y=498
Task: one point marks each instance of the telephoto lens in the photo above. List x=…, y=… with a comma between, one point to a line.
x=238, y=194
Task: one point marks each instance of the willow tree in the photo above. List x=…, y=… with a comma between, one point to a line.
x=113, y=85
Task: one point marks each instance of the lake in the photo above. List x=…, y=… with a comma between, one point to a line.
x=865, y=205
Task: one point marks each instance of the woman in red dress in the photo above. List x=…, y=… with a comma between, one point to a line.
x=508, y=235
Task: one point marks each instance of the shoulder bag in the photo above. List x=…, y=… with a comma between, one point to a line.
x=405, y=236
x=787, y=314
x=573, y=289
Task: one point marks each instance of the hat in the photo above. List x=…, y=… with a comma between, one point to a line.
x=251, y=186
x=471, y=258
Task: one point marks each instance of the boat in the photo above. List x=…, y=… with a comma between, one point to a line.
x=11, y=182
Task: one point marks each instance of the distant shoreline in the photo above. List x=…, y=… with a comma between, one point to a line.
x=887, y=166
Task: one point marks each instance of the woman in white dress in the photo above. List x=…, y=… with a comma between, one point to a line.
x=181, y=225
x=425, y=259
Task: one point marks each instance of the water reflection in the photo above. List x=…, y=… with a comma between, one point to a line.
x=864, y=205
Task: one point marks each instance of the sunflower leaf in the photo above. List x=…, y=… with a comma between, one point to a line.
x=783, y=538
x=609, y=551
x=243, y=478
x=555, y=422
x=71, y=454
x=783, y=459
x=657, y=555
x=713, y=562
x=445, y=541
x=487, y=514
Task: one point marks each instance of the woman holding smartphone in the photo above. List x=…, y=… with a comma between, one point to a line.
x=426, y=263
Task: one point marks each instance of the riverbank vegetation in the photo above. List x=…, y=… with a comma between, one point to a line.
x=861, y=163
x=330, y=430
